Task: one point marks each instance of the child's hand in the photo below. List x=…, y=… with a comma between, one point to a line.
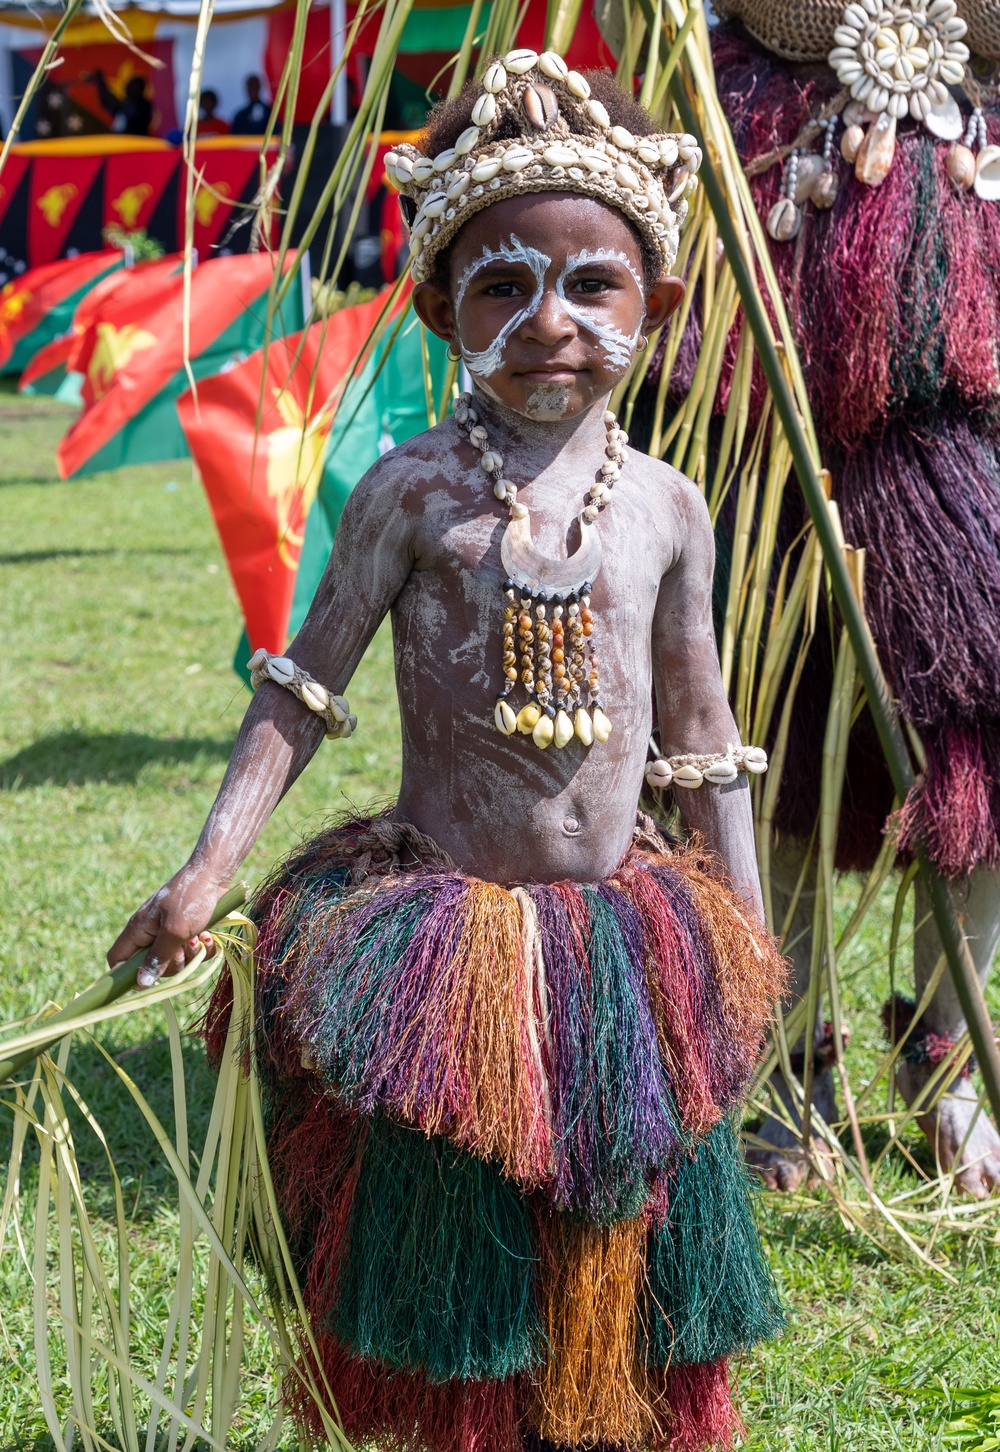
x=171, y=923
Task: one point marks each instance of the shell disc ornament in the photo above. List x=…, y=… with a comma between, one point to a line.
x=900, y=58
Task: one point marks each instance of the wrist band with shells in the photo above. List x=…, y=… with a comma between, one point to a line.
x=718, y=767
x=648, y=178
x=335, y=711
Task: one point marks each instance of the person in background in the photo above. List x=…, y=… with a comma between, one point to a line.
x=252, y=119
x=209, y=124
x=132, y=113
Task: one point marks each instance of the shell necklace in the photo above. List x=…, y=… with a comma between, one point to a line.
x=547, y=604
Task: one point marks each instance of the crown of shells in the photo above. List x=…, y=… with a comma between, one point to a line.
x=565, y=142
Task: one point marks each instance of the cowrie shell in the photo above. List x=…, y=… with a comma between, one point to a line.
x=484, y=111
x=553, y=66
x=517, y=158
x=594, y=161
x=668, y=151
x=519, y=61
x=422, y=170
x=315, y=696
x=559, y=156
x=485, y=171
x=688, y=776
x=504, y=719
x=659, y=773
x=626, y=177
x=576, y=85
x=721, y=772
x=540, y=106
x=420, y=228
x=467, y=141
x=755, y=759
x=602, y=726
x=647, y=153
x=281, y=669
x=435, y=205
x=622, y=138
x=459, y=185
x=598, y=114
x=390, y=158
x=495, y=78
x=444, y=159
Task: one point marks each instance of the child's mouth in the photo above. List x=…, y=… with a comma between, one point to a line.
x=549, y=375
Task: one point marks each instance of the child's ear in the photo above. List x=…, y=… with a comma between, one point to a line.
x=663, y=298
x=434, y=309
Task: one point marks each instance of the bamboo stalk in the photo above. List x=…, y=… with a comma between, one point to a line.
x=107, y=989
x=890, y=732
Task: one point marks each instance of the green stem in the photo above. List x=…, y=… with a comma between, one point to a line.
x=111, y=986
x=890, y=732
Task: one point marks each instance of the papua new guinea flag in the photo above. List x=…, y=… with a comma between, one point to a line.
x=277, y=490
x=136, y=372
x=39, y=305
x=99, y=315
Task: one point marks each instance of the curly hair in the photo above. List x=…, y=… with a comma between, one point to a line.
x=449, y=119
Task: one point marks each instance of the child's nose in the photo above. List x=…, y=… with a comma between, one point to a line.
x=549, y=323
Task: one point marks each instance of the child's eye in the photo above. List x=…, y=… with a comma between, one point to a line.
x=591, y=285
x=503, y=289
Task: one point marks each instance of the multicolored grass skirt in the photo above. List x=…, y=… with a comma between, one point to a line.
x=502, y=1124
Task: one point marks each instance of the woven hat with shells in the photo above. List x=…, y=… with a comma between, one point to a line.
x=803, y=30
x=563, y=140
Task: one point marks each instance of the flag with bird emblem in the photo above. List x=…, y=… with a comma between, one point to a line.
x=132, y=355
x=280, y=441
x=39, y=305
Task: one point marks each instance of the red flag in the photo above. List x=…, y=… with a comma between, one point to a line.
x=261, y=485
x=28, y=300
x=131, y=193
x=58, y=189
x=141, y=347
x=223, y=175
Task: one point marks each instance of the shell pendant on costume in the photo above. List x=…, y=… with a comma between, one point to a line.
x=547, y=633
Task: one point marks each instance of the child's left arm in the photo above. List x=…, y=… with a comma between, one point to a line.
x=692, y=708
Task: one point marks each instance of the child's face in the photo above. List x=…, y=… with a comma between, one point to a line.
x=547, y=302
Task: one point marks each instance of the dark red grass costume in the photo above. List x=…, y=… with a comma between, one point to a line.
x=894, y=302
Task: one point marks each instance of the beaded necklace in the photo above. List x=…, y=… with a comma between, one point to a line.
x=547, y=620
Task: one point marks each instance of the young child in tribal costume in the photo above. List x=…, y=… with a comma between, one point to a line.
x=504, y=1034
x=884, y=211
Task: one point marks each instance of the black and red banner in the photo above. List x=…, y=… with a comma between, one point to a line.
x=56, y=198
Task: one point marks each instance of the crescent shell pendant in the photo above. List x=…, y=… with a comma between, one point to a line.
x=537, y=575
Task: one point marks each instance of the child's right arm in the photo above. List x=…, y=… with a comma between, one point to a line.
x=371, y=559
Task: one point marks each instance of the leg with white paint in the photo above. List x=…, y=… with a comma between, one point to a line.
x=783, y=1167
x=956, y=1121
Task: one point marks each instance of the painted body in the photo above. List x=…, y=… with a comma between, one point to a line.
x=420, y=540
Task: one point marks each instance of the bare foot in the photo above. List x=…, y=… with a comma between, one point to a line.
x=785, y=1167
x=946, y=1127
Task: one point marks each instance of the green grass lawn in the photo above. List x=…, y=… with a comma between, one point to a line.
x=118, y=709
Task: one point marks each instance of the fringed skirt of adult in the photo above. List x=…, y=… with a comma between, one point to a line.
x=894, y=300
x=502, y=1126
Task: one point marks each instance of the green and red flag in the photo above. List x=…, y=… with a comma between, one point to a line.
x=98, y=311
x=277, y=484
x=133, y=359
x=39, y=305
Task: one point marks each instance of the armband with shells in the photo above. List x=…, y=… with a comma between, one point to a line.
x=335, y=711
x=692, y=769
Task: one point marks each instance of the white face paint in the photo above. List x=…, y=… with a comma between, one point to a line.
x=490, y=359
x=548, y=402
x=619, y=347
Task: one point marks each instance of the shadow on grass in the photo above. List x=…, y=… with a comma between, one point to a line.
x=70, y=758
x=41, y=557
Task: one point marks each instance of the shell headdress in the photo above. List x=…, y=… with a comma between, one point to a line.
x=564, y=142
